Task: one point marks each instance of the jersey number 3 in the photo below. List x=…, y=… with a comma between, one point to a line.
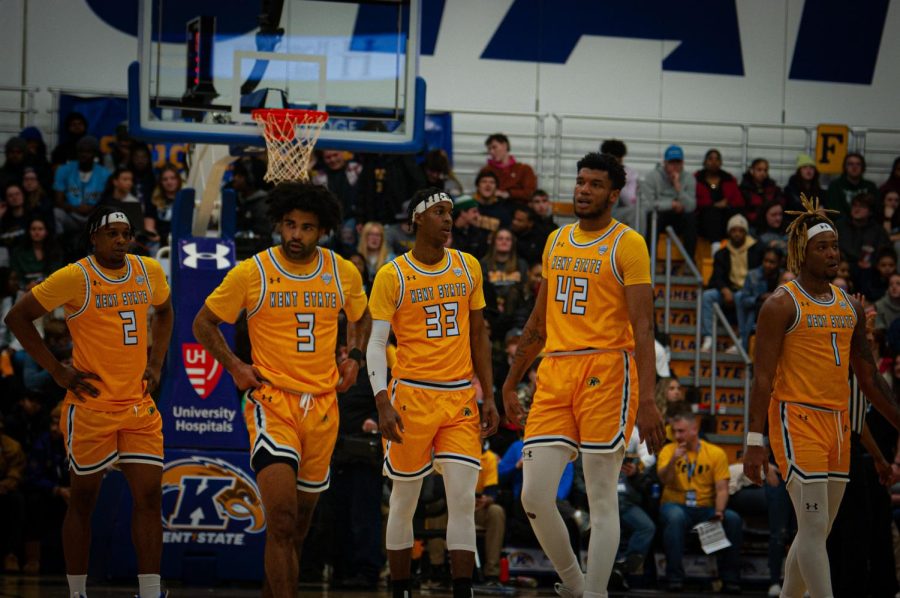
x=305, y=334
x=441, y=320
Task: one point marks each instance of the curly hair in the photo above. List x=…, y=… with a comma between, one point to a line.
x=306, y=197
x=607, y=163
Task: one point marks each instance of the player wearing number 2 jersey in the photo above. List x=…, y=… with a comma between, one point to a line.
x=108, y=416
x=293, y=295
x=432, y=297
x=593, y=320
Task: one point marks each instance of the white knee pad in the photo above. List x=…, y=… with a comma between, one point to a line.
x=459, y=484
x=404, y=498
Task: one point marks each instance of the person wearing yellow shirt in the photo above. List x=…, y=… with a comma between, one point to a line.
x=694, y=475
x=293, y=295
x=108, y=415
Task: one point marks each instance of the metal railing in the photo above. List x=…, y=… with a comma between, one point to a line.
x=672, y=238
x=53, y=111
x=719, y=317
x=25, y=109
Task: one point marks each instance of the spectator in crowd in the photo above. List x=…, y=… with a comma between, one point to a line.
x=850, y=184
x=730, y=266
x=37, y=255
x=27, y=420
x=893, y=181
x=341, y=176
x=529, y=295
x=633, y=519
x=530, y=240
x=36, y=156
x=758, y=189
x=46, y=491
x=888, y=307
x=13, y=217
x=542, y=206
x=504, y=271
x=401, y=237
x=14, y=166
x=669, y=192
x=253, y=222
x=158, y=211
x=668, y=391
x=385, y=185
x=805, y=180
x=625, y=208
x=467, y=235
x=889, y=215
x=873, y=282
x=694, y=475
x=771, y=229
x=515, y=180
x=74, y=128
x=79, y=184
x=119, y=154
x=374, y=248
x=118, y=188
x=439, y=173
x=718, y=197
x=760, y=283
x=12, y=501
x=495, y=212
x=37, y=201
x=145, y=182
x=859, y=236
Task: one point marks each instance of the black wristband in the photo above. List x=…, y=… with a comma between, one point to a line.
x=356, y=355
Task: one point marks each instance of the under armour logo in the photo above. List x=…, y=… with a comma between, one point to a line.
x=410, y=277
x=527, y=454
x=193, y=256
x=812, y=506
x=803, y=416
x=95, y=283
x=274, y=280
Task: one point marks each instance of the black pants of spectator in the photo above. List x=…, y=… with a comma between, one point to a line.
x=355, y=499
x=12, y=522
x=44, y=518
x=849, y=542
x=882, y=570
x=712, y=222
x=684, y=224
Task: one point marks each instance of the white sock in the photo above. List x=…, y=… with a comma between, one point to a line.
x=811, y=505
x=541, y=475
x=149, y=585
x=601, y=475
x=77, y=584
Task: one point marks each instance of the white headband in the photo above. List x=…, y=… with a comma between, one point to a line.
x=110, y=218
x=431, y=201
x=821, y=227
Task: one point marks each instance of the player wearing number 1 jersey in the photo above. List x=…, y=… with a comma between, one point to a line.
x=293, y=295
x=593, y=321
x=108, y=416
x=432, y=298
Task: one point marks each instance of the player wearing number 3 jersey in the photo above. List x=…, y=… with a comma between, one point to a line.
x=108, y=416
x=432, y=297
x=293, y=295
x=593, y=321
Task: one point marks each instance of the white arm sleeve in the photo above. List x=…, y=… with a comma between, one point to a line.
x=376, y=358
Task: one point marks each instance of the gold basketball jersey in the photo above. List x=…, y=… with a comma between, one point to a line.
x=815, y=354
x=586, y=274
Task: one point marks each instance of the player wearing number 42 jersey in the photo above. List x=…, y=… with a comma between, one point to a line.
x=432, y=297
x=808, y=333
x=108, y=416
x=293, y=295
x=593, y=321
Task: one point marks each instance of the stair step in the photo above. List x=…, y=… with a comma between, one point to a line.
x=725, y=439
x=690, y=330
x=676, y=280
x=721, y=357
x=705, y=382
x=685, y=305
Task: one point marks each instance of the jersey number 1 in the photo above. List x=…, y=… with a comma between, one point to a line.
x=837, y=356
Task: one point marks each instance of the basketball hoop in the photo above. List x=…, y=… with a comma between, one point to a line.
x=290, y=138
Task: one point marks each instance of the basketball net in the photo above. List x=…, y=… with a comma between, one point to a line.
x=290, y=139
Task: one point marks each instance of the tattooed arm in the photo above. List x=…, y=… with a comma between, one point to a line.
x=871, y=383
x=530, y=346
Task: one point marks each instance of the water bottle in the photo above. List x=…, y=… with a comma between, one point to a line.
x=504, y=568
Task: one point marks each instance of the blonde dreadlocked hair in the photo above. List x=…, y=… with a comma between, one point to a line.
x=797, y=230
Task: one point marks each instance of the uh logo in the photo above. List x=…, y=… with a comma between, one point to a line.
x=208, y=500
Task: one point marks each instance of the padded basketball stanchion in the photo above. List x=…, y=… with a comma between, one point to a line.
x=290, y=138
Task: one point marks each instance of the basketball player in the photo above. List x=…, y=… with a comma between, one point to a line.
x=433, y=299
x=593, y=318
x=108, y=416
x=808, y=333
x=293, y=295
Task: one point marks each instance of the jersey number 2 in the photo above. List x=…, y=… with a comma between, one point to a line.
x=572, y=292
x=129, y=327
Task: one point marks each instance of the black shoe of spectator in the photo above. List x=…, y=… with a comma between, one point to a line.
x=731, y=588
x=676, y=586
x=633, y=563
x=617, y=580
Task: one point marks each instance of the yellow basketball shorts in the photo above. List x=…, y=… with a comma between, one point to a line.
x=585, y=402
x=293, y=428
x=810, y=443
x=441, y=425
x=97, y=439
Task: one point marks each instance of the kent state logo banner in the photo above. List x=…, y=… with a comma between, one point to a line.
x=210, y=501
x=202, y=370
